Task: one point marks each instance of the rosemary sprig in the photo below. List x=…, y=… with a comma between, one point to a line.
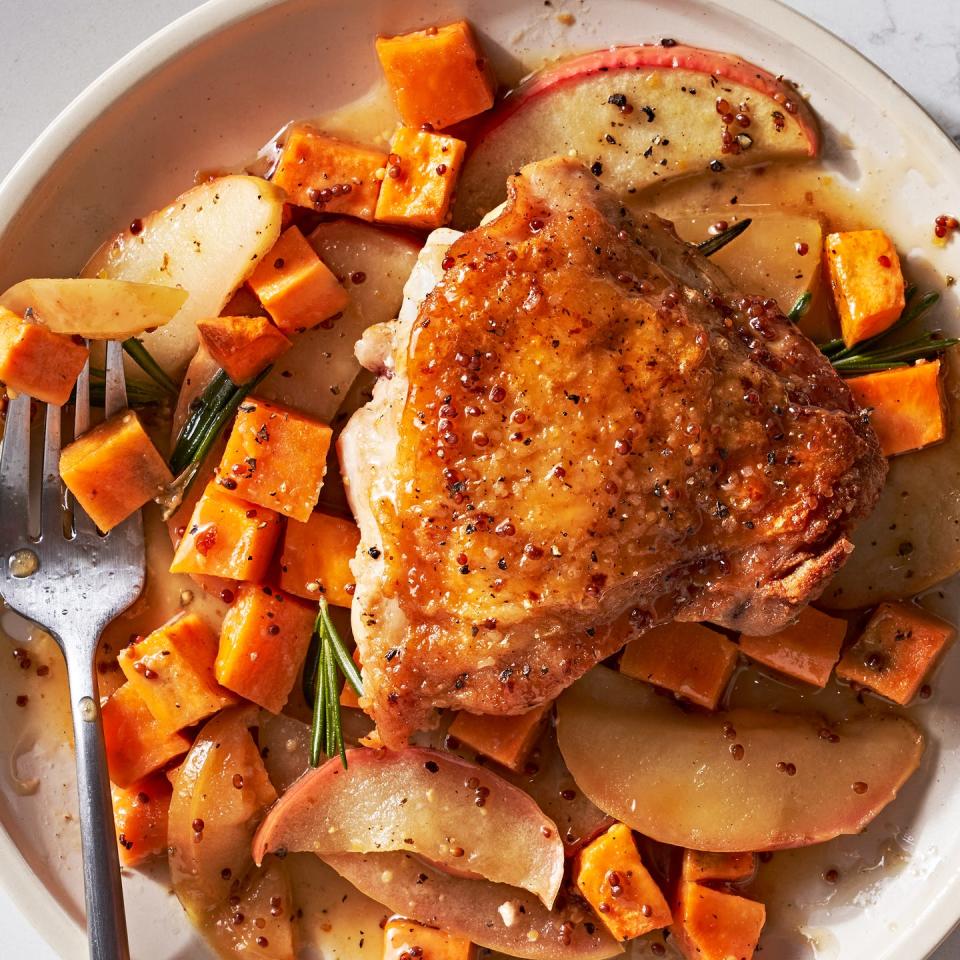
x=711, y=245
x=330, y=659
x=142, y=358
x=139, y=394
x=215, y=396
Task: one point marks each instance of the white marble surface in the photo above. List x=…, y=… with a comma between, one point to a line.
x=54, y=48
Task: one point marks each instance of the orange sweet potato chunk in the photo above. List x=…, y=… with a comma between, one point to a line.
x=263, y=644
x=689, y=659
x=297, y=288
x=276, y=457
x=114, y=469
x=140, y=817
x=722, y=867
x=315, y=558
x=136, y=744
x=406, y=939
x=712, y=925
x=806, y=650
x=439, y=75
x=508, y=740
x=897, y=649
x=906, y=404
x=867, y=281
x=172, y=671
x=242, y=346
x=421, y=179
x=329, y=175
x=611, y=877
x=35, y=361
x=227, y=537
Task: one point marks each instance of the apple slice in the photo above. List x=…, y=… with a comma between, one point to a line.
x=727, y=782
x=492, y=915
x=95, y=309
x=640, y=115
x=424, y=802
x=206, y=242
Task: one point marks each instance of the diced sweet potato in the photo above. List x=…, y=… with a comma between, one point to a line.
x=227, y=537
x=508, y=740
x=136, y=745
x=263, y=643
x=296, y=286
x=867, y=282
x=712, y=925
x=407, y=939
x=906, y=404
x=140, y=817
x=690, y=659
x=611, y=877
x=38, y=362
x=348, y=696
x=724, y=867
x=243, y=346
x=421, y=179
x=438, y=75
x=806, y=650
x=114, y=469
x=277, y=457
x=315, y=558
x=172, y=671
x=897, y=649
x=328, y=174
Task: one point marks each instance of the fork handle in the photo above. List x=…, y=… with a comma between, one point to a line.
x=106, y=920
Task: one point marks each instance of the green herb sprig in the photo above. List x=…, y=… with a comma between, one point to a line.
x=139, y=393
x=328, y=659
x=711, y=245
x=143, y=359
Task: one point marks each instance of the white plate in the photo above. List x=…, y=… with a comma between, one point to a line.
x=215, y=85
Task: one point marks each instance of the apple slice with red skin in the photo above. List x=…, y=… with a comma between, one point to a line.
x=491, y=915
x=638, y=115
x=730, y=781
x=455, y=814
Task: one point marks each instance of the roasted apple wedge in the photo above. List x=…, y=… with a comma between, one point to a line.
x=455, y=814
x=639, y=115
x=726, y=782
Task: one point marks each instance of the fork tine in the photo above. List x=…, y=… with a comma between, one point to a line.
x=51, y=491
x=15, y=475
x=116, y=387
x=82, y=524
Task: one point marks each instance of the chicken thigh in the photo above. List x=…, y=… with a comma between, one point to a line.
x=584, y=430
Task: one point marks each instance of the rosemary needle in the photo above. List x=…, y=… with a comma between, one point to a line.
x=711, y=245
x=141, y=356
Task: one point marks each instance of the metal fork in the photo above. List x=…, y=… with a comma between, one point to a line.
x=72, y=581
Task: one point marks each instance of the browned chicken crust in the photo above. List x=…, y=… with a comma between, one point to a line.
x=585, y=431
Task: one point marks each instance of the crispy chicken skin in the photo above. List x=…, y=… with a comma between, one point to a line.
x=583, y=431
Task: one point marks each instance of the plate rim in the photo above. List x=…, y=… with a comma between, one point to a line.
x=213, y=16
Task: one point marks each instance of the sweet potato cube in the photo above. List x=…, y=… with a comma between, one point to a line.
x=227, y=537
x=243, y=346
x=723, y=867
x=712, y=925
x=906, y=404
x=404, y=939
x=690, y=659
x=506, y=739
x=421, y=179
x=315, y=558
x=897, y=649
x=329, y=175
x=438, y=76
x=276, y=457
x=114, y=469
x=140, y=817
x=867, y=282
x=806, y=650
x=611, y=877
x=263, y=643
x=35, y=361
x=296, y=286
x=172, y=671
x=136, y=744
x=348, y=696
